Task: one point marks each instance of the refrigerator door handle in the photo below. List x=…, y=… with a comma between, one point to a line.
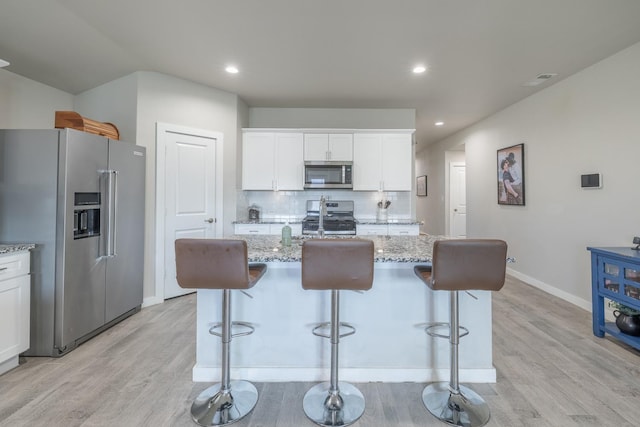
x=113, y=228
x=111, y=208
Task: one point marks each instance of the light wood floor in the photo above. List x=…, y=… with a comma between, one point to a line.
x=552, y=372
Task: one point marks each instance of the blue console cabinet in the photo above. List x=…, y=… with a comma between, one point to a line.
x=615, y=275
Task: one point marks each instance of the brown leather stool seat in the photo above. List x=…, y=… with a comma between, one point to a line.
x=336, y=264
x=220, y=264
x=461, y=265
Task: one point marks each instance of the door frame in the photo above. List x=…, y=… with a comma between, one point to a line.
x=162, y=132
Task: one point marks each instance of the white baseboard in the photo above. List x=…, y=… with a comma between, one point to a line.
x=551, y=290
x=356, y=375
x=9, y=364
x=146, y=302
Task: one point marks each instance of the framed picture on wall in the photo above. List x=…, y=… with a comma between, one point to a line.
x=511, y=175
x=421, y=185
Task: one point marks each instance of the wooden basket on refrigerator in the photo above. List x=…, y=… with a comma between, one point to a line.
x=73, y=120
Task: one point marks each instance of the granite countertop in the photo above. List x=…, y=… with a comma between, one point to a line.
x=264, y=248
x=17, y=247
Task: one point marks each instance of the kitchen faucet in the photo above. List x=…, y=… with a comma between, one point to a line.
x=322, y=211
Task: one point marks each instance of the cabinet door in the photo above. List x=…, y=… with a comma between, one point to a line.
x=316, y=147
x=289, y=161
x=252, y=228
x=366, y=162
x=403, y=230
x=14, y=316
x=258, y=161
x=276, y=229
x=371, y=230
x=341, y=147
x=396, y=162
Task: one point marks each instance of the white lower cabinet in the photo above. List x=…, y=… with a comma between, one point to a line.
x=371, y=229
x=275, y=229
x=15, y=300
x=266, y=229
x=404, y=230
x=387, y=229
x=252, y=229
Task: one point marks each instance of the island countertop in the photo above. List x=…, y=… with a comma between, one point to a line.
x=266, y=248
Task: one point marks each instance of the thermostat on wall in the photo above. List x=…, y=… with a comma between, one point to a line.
x=592, y=180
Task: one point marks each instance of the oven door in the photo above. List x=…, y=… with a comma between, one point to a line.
x=327, y=175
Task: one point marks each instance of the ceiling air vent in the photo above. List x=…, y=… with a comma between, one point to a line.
x=540, y=78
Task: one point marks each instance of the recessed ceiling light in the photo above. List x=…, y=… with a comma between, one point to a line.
x=419, y=69
x=439, y=123
x=232, y=69
x=3, y=63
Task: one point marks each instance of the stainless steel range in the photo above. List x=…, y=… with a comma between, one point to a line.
x=337, y=218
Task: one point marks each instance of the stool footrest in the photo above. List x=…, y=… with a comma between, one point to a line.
x=248, y=329
x=326, y=325
x=430, y=330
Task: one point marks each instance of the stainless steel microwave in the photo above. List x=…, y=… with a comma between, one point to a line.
x=328, y=175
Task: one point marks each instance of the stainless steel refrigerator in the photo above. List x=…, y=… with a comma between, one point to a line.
x=80, y=198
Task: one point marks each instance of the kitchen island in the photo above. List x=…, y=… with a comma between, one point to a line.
x=390, y=344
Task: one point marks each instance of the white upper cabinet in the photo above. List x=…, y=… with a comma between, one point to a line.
x=382, y=162
x=328, y=147
x=272, y=161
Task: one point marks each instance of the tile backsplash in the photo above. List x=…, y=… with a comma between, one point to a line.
x=292, y=205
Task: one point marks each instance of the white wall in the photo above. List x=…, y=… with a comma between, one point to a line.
x=585, y=123
x=340, y=118
x=27, y=104
x=114, y=102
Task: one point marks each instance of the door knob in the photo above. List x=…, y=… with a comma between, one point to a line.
x=210, y=220
x=455, y=210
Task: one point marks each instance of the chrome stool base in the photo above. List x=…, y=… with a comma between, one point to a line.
x=320, y=409
x=465, y=409
x=214, y=407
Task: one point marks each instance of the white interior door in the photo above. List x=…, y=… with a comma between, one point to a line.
x=457, y=200
x=190, y=197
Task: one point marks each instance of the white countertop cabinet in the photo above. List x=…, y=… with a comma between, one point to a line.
x=256, y=229
x=266, y=229
x=15, y=288
x=382, y=162
x=272, y=161
x=328, y=147
x=403, y=229
x=387, y=229
x=372, y=229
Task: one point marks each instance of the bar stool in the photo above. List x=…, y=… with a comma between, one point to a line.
x=461, y=265
x=335, y=264
x=220, y=264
